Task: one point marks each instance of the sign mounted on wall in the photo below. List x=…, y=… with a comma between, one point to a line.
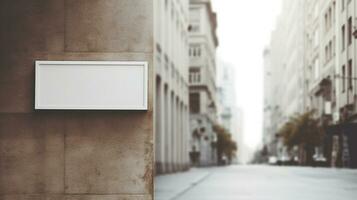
x=91, y=85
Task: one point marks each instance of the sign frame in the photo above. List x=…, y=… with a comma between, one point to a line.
x=43, y=63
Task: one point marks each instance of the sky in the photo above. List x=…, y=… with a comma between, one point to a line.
x=244, y=29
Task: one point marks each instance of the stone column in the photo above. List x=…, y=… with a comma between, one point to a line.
x=162, y=127
x=158, y=130
x=182, y=127
x=167, y=129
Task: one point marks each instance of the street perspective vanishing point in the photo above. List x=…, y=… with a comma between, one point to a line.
x=178, y=100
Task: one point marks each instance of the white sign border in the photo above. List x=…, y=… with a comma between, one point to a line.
x=38, y=64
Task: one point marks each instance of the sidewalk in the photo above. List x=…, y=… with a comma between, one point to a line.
x=171, y=186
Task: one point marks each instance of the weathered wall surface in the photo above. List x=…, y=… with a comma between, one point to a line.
x=72, y=155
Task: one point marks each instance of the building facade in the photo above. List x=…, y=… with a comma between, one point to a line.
x=171, y=94
x=68, y=154
x=202, y=75
x=344, y=95
x=331, y=82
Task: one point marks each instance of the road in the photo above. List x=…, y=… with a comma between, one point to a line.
x=258, y=183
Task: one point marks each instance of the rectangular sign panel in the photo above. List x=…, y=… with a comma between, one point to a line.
x=91, y=85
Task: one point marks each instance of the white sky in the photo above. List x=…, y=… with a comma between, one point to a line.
x=244, y=29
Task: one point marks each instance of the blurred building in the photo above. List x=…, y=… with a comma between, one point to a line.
x=202, y=74
x=284, y=72
x=226, y=95
x=331, y=81
x=228, y=112
x=171, y=94
x=269, y=131
x=318, y=56
x=343, y=100
x=313, y=57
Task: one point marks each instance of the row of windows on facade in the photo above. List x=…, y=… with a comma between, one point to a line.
x=330, y=50
x=347, y=77
x=349, y=34
x=195, y=51
x=343, y=4
x=173, y=13
x=173, y=25
x=330, y=16
x=316, y=68
x=330, y=47
x=314, y=11
x=194, y=102
x=195, y=75
x=195, y=28
x=175, y=74
x=313, y=39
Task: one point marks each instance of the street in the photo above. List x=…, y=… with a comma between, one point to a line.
x=258, y=183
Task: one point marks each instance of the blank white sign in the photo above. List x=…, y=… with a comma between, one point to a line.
x=91, y=85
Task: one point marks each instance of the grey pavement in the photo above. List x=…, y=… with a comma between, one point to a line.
x=258, y=183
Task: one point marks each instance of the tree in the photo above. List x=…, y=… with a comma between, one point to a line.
x=225, y=145
x=304, y=131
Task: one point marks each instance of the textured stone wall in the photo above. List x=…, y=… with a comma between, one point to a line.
x=72, y=155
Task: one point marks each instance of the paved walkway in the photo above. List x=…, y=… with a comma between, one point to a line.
x=170, y=186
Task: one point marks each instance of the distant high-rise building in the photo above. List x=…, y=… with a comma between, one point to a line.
x=228, y=112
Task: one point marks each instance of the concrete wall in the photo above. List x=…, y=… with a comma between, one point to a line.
x=72, y=155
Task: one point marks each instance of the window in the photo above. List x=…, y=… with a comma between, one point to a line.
x=343, y=37
x=334, y=46
x=343, y=78
x=316, y=11
x=330, y=49
x=194, y=102
x=195, y=51
x=343, y=5
x=334, y=13
x=317, y=68
x=195, y=75
x=316, y=38
x=350, y=75
x=330, y=17
x=326, y=22
x=195, y=28
x=350, y=31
